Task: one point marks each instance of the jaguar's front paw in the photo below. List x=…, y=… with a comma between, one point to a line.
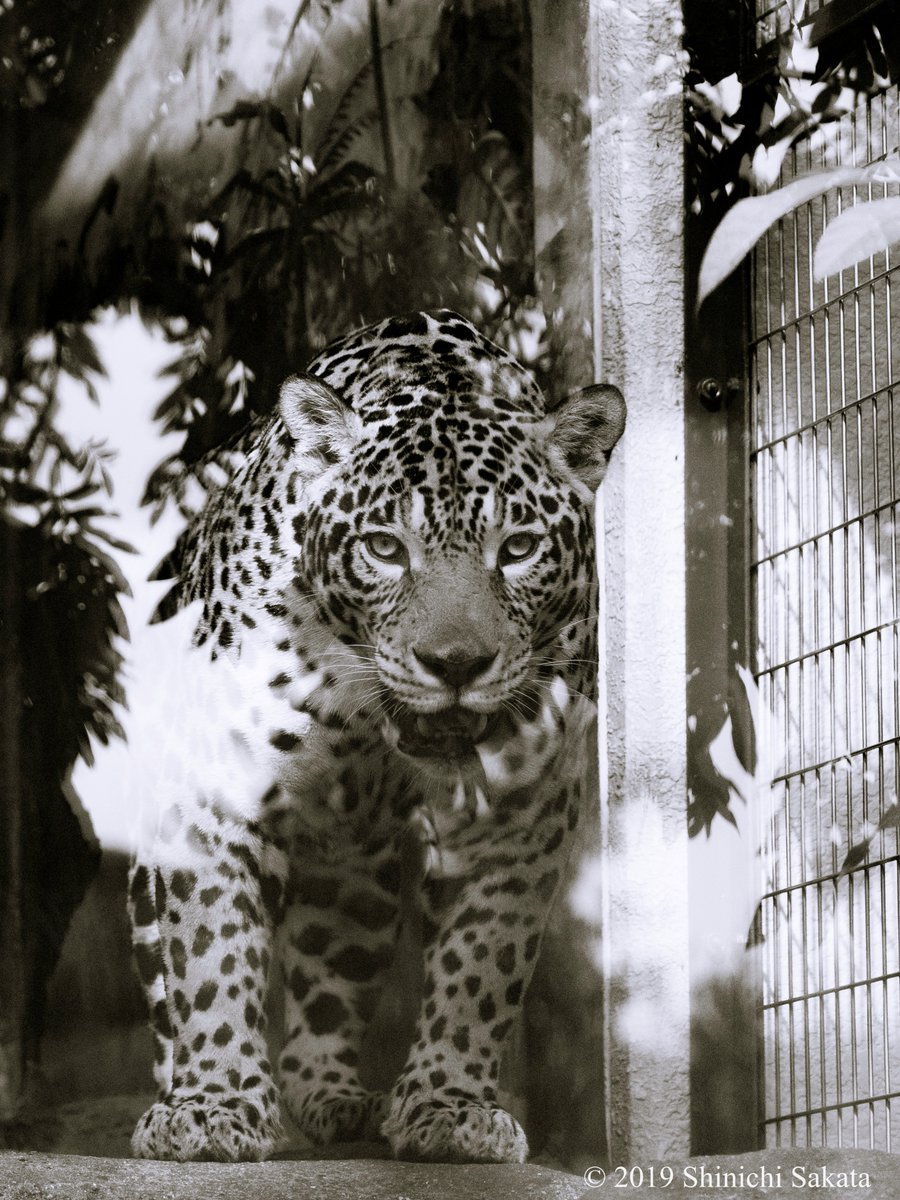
x=197, y=1127
x=456, y=1131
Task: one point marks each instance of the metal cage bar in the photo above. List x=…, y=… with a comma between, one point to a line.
x=825, y=470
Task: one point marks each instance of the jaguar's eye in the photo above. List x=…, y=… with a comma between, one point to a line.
x=518, y=547
x=385, y=547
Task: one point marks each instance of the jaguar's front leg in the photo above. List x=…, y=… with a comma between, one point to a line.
x=338, y=941
x=201, y=908
x=444, y=1105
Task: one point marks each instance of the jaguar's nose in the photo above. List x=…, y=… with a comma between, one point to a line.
x=455, y=665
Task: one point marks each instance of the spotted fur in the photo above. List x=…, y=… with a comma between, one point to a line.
x=393, y=647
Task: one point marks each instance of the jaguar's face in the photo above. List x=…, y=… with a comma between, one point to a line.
x=450, y=549
x=456, y=590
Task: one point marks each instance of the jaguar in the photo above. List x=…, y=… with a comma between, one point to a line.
x=376, y=723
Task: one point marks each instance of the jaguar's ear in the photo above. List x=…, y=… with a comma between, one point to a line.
x=317, y=418
x=585, y=427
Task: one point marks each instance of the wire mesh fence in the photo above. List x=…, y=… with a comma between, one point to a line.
x=825, y=467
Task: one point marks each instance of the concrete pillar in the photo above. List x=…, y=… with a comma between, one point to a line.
x=609, y=239
x=637, y=188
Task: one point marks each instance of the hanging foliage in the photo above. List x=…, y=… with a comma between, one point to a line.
x=795, y=86
x=345, y=223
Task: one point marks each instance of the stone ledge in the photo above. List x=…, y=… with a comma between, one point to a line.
x=80, y=1151
x=34, y=1176
x=84, y=1156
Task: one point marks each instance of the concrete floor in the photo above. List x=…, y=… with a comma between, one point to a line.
x=80, y=1152
x=823, y=1174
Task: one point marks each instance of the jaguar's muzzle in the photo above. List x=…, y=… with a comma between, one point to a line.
x=450, y=733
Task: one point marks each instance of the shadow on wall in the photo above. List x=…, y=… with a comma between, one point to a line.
x=97, y=1042
x=723, y=1110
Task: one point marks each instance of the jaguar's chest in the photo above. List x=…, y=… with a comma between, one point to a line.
x=341, y=795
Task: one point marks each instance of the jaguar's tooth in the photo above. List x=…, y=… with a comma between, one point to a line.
x=479, y=725
x=459, y=796
x=422, y=726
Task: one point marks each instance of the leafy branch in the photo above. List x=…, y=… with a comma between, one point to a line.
x=319, y=234
x=807, y=78
x=868, y=226
x=52, y=500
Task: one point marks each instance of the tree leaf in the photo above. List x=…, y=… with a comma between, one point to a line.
x=755, y=935
x=88, y=488
x=83, y=514
x=257, y=187
x=857, y=233
x=111, y=539
x=243, y=110
x=855, y=855
x=499, y=198
x=743, y=225
x=84, y=748
x=78, y=354
x=248, y=110
x=278, y=121
x=23, y=492
x=258, y=242
x=890, y=818
x=112, y=569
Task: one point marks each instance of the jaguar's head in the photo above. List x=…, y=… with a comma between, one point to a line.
x=449, y=536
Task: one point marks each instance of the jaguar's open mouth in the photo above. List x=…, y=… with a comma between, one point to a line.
x=450, y=733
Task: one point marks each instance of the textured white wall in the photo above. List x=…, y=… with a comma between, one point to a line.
x=637, y=185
